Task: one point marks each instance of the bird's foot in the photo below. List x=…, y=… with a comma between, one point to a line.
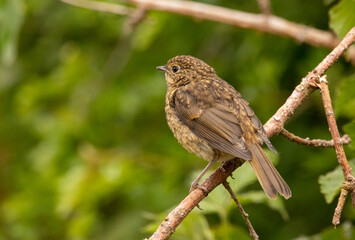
x=231, y=175
x=195, y=185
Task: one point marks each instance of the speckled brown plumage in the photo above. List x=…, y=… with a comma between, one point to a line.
x=210, y=119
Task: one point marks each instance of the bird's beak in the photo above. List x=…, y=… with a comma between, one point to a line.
x=162, y=68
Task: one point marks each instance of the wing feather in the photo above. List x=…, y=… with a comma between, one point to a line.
x=215, y=124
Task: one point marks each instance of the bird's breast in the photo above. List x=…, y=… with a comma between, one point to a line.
x=186, y=137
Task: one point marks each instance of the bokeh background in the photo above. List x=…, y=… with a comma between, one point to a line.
x=85, y=151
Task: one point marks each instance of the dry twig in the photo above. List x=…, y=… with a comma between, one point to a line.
x=313, y=142
x=136, y=17
x=252, y=232
x=264, y=6
x=348, y=176
x=323, y=85
x=339, y=208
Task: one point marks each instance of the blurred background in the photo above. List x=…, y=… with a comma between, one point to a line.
x=85, y=151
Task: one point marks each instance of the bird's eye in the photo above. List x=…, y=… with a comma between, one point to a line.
x=175, y=69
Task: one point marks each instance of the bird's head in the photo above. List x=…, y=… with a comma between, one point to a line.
x=184, y=69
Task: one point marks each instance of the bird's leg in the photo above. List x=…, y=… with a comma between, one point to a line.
x=195, y=184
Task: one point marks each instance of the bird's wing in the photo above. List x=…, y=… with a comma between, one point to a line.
x=216, y=124
x=256, y=123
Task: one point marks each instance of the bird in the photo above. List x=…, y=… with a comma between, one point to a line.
x=210, y=119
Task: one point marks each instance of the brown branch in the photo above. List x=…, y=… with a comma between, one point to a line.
x=306, y=87
x=175, y=217
x=261, y=22
x=274, y=25
x=252, y=232
x=348, y=176
x=313, y=142
x=323, y=85
x=339, y=208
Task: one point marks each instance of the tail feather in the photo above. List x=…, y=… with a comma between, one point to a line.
x=269, y=178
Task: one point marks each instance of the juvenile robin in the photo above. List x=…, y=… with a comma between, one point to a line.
x=210, y=119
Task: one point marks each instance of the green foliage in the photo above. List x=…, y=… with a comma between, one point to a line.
x=11, y=19
x=331, y=182
x=85, y=151
x=345, y=231
x=345, y=101
x=342, y=17
x=350, y=129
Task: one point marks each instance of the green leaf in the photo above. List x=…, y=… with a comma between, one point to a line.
x=342, y=17
x=330, y=183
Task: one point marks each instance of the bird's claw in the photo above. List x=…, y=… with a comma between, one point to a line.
x=196, y=185
x=202, y=188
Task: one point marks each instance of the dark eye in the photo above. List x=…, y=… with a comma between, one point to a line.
x=175, y=69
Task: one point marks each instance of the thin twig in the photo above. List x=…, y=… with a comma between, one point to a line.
x=252, y=232
x=136, y=17
x=327, y=102
x=101, y=6
x=348, y=186
x=264, y=6
x=348, y=176
x=339, y=209
x=275, y=124
x=313, y=142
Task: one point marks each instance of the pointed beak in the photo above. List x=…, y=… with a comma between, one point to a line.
x=162, y=68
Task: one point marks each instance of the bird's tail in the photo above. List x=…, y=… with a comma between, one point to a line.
x=269, y=178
